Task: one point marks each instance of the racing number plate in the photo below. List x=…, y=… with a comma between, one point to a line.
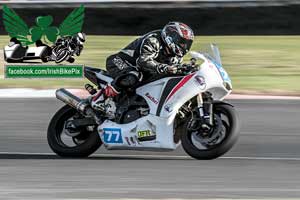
x=113, y=135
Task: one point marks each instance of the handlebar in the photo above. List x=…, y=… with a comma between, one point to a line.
x=187, y=68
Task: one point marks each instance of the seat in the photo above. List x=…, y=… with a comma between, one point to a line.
x=93, y=74
x=96, y=70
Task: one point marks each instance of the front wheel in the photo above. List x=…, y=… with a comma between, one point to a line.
x=68, y=142
x=62, y=55
x=216, y=142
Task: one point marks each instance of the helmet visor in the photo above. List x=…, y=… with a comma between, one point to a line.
x=182, y=43
x=185, y=44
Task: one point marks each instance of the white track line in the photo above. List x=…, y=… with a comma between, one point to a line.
x=240, y=198
x=156, y=156
x=188, y=199
x=50, y=93
x=183, y=199
x=172, y=198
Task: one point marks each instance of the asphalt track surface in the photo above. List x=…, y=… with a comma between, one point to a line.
x=265, y=163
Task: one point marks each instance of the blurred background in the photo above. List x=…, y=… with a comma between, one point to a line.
x=259, y=42
x=257, y=38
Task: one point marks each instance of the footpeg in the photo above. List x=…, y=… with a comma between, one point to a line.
x=90, y=89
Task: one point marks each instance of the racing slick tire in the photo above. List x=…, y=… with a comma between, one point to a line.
x=231, y=127
x=90, y=141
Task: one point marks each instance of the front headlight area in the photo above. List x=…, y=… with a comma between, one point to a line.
x=227, y=85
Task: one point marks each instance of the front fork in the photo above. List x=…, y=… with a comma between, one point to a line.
x=205, y=108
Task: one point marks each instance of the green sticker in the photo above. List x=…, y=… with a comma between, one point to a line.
x=43, y=71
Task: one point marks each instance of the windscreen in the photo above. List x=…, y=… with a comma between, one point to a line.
x=213, y=54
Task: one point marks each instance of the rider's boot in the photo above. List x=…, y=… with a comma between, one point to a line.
x=98, y=100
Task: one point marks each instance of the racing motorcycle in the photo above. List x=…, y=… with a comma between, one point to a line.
x=64, y=50
x=186, y=109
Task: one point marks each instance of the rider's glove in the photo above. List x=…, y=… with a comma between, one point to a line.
x=172, y=69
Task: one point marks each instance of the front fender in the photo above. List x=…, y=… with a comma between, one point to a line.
x=222, y=102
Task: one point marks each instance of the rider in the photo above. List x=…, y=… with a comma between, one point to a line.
x=75, y=42
x=152, y=55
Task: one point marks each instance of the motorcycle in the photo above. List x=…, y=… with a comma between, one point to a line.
x=14, y=52
x=64, y=51
x=186, y=109
x=61, y=53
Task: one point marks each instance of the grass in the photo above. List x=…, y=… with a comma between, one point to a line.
x=256, y=64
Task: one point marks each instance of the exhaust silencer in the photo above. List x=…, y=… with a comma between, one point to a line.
x=72, y=100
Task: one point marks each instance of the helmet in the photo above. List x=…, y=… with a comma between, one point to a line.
x=178, y=37
x=80, y=38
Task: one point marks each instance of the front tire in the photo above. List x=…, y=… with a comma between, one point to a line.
x=85, y=145
x=71, y=59
x=231, y=127
x=62, y=55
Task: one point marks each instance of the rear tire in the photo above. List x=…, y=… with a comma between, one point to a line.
x=45, y=55
x=232, y=132
x=84, y=149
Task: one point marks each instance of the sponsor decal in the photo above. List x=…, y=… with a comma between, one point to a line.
x=222, y=71
x=201, y=81
x=137, y=139
x=127, y=140
x=223, y=74
x=112, y=135
x=146, y=135
x=151, y=98
x=168, y=108
x=132, y=140
x=119, y=63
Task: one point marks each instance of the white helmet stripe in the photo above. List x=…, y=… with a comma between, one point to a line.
x=178, y=28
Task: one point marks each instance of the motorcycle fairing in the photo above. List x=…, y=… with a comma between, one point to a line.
x=126, y=136
x=160, y=120
x=165, y=97
x=18, y=52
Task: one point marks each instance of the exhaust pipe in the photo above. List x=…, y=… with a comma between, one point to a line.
x=73, y=101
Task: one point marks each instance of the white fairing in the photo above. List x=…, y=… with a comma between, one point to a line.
x=105, y=78
x=163, y=109
x=125, y=136
x=9, y=50
x=31, y=52
x=35, y=52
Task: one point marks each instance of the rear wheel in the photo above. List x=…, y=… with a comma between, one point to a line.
x=45, y=55
x=218, y=140
x=67, y=142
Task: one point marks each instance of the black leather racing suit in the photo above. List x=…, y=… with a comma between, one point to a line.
x=144, y=59
x=70, y=41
